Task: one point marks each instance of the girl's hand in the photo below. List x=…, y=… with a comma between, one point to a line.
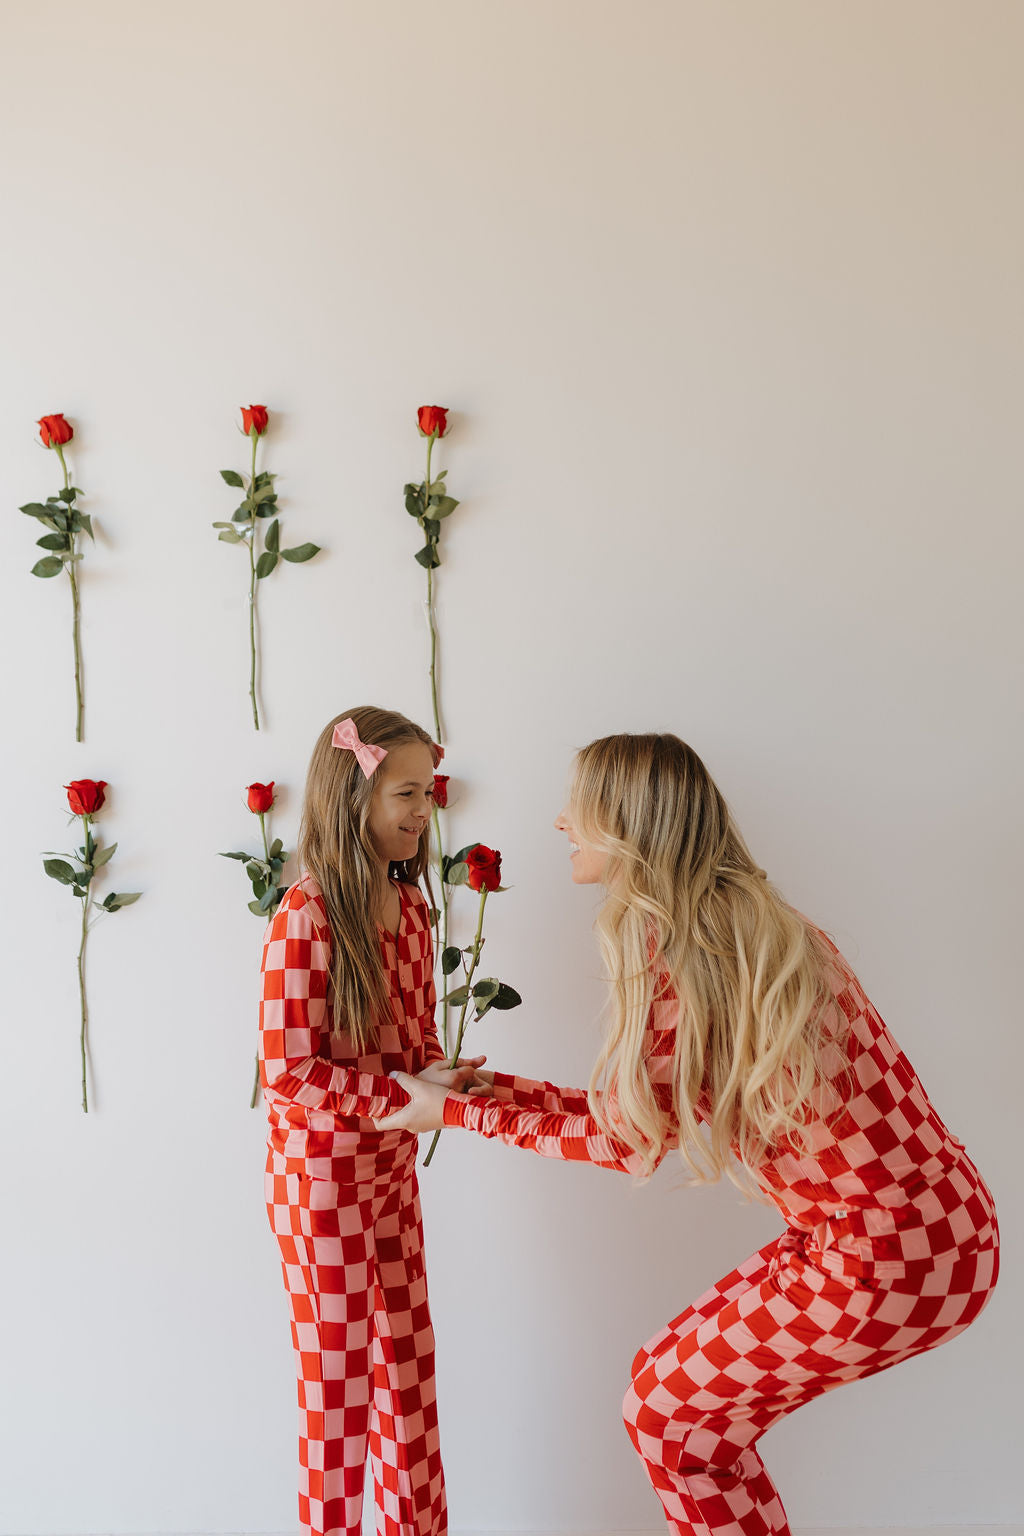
x=460, y=1077
x=425, y=1110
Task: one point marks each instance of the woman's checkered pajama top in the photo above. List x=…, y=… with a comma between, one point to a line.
x=890, y=1248
x=343, y=1203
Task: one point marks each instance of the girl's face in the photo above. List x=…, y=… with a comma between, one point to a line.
x=403, y=799
x=587, y=865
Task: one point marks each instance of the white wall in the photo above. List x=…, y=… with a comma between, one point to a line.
x=726, y=301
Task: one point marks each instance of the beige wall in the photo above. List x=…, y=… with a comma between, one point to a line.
x=727, y=301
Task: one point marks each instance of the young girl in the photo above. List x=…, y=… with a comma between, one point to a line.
x=741, y=1035
x=348, y=998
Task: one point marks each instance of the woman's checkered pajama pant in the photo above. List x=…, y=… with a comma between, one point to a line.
x=353, y=1266
x=768, y=1338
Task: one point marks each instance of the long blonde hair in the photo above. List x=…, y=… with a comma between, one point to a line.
x=336, y=849
x=689, y=910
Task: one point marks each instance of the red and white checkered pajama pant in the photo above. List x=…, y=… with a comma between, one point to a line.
x=771, y=1336
x=352, y=1257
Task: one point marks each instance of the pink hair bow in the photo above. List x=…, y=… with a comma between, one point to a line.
x=438, y=753
x=367, y=755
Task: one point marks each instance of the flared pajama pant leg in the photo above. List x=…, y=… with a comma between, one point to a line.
x=405, y=1450
x=326, y=1241
x=771, y=1336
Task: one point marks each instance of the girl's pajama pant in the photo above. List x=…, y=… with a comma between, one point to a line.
x=772, y=1335
x=352, y=1257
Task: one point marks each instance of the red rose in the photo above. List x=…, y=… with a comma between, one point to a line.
x=261, y=797
x=433, y=420
x=484, y=868
x=254, y=419
x=441, y=789
x=85, y=796
x=55, y=430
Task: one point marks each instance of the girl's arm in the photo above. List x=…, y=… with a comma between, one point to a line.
x=294, y=1023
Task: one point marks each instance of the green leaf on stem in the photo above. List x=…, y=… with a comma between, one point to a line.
x=432, y=528
x=256, y=870
x=450, y=958
x=268, y=509
x=232, y=477
x=300, y=553
x=487, y=990
x=83, y=520
x=36, y=509
x=457, y=998
x=114, y=902
x=458, y=873
x=428, y=557
x=52, y=565
x=53, y=541
x=268, y=898
x=265, y=564
x=254, y=906
x=263, y=478
x=261, y=494
x=274, y=536
x=507, y=998
x=229, y=536
x=235, y=855
x=103, y=856
x=241, y=515
x=57, y=869
x=275, y=847
x=259, y=886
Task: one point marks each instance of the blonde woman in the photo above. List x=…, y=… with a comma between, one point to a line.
x=740, y=1036
x=348, y=998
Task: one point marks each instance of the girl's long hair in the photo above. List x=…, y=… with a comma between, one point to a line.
x=336, y=849
x=687, y=909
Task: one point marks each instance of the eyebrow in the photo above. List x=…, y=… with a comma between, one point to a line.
x=412, y=784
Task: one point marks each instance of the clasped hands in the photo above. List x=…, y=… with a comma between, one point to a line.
x=428, y=1090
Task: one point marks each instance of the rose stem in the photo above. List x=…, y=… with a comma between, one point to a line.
x=431, y=624
x=444, y=923
x=81, y=962
x=477, y=945
x=74, y=605
x=252, y=584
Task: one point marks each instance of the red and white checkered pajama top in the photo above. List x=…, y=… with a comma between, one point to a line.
x=320, y=1091
x=883, y=1191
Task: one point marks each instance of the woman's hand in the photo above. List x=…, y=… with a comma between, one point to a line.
x=462, y=1077
x=482, y=1084
x=425, y=1110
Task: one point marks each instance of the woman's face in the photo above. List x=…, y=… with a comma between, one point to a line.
x=403, y=799
x=586, y=864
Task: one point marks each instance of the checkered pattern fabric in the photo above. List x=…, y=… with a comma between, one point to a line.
x=343, y=1203
x=890, y=1247
x=353, y=1268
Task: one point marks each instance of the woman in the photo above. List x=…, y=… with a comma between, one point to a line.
x=740, y=1036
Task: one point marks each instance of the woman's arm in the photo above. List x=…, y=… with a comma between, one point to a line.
x=528, y=1093
x=294, y=1023
x=571, y=1137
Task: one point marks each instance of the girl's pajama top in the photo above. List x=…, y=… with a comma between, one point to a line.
x=890, y=1247
x=343, y=1204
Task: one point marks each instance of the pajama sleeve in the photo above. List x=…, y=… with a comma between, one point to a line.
x=294, y=1024
x=572, y=1137
x=529, y=1094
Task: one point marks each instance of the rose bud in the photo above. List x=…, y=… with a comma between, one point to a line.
x=54, y=430
x=85, y=796
x=254, y=419
x=484, y=868
x=261, y=797
x=441, y=789
x=433, y=420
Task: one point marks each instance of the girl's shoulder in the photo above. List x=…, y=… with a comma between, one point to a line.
x=306, y=893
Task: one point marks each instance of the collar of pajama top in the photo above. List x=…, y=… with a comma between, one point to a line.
x=881, y=1188
x=320, y=1091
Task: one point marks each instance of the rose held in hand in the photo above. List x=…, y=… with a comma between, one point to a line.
x=484, y=868
x=260, y=797
x=86, y=796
